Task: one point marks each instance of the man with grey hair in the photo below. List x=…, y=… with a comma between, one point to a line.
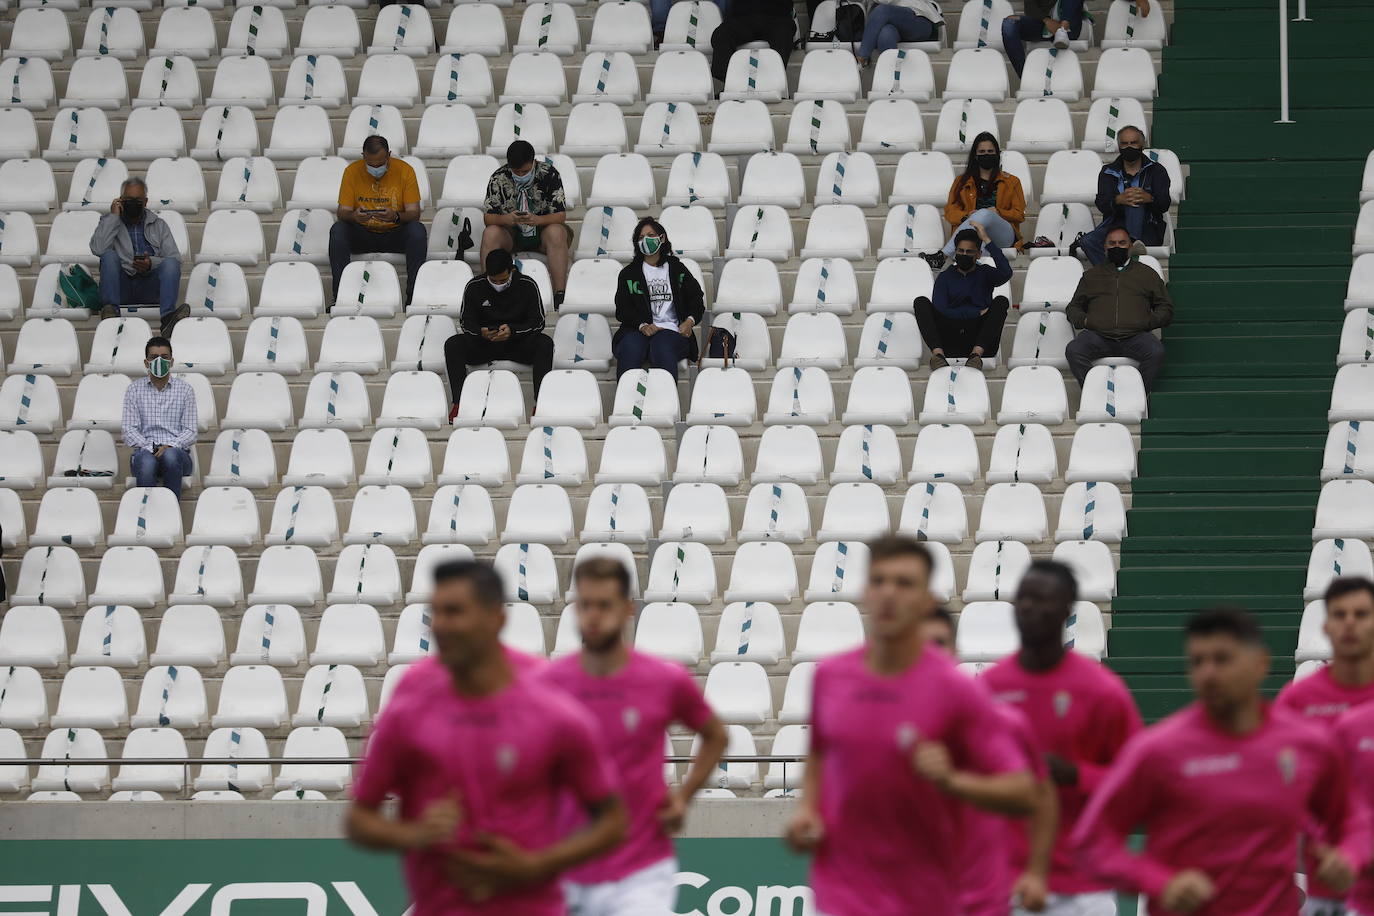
x=140, y=263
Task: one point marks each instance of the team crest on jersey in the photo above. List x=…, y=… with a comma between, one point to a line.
x=1062, y=701
x=907, y=735
x=506, y=757
x=630, y=717
x=1288, y=765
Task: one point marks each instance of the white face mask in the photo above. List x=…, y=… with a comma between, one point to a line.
x=500, y=287
x=524, y=179
x=377, y=171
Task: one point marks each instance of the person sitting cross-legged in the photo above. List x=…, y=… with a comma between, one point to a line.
x=1115, y=307
x=140, y=263
x=966, y=317
x=658, y=303
x=502, y=317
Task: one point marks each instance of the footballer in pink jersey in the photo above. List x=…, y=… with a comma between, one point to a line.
x=1222, y=789
x=480, y=762
x=634, y=698
x=900, y=742
x=1329, y=692
x=1355, y=734
x=1081, y=714
x=990, y=882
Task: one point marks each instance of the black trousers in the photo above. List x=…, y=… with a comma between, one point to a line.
x=348, y=239
x=463, y=350
x=1089, y=346
x=957, y=337
x=737, y=30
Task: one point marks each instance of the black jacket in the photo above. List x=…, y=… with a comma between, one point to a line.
x=1152, y=177
x=518, y=305
x=632, y=298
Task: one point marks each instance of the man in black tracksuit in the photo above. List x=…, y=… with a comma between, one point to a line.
x=502, y=317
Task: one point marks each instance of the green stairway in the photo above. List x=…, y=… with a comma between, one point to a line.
x=1222, y=510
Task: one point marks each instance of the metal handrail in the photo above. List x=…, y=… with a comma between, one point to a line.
x=1283, y=56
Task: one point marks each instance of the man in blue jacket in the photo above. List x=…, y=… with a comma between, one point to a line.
x=965, y=319
x=1133, y=193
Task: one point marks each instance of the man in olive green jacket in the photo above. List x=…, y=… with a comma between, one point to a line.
x=1116, y=306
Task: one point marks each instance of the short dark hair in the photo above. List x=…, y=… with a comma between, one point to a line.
x=891, y=546
x=968, y=235
x=375, y=144
x=942, y=614
x=486, y=583
x=1226, y=620
x=1345, y=585
x=658, y=229
x=603, y=568
x=519, y=154
x=1122, y=130
x=133, y=179
x=498, y=261
x=1060, y=571
x=156, y=341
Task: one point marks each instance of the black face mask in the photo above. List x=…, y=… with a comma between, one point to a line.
x=1130, y=154
x=132, y=210
x=1119, y=256
x=987, y=160
x=965, y=261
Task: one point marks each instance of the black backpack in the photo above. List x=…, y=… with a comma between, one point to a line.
x=848, y=24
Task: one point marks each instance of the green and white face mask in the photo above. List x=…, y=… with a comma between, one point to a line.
x=650, y=244
x=160, y=367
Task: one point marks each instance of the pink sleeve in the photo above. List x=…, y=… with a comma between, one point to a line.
x=583, y=765
x=1285, y=699
x=689, y=706
x=382, y=760
x=1118, y=723
x=1345, y=814
x=1123, y=800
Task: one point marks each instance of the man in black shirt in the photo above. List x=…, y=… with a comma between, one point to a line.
x=502, y=317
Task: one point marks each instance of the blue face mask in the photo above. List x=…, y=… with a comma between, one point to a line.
x=377, y=171
x=524, y=179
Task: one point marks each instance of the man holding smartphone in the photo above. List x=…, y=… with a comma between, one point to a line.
x=526, y=210
x=140, y=263
x=379, y=212
x=502, y=317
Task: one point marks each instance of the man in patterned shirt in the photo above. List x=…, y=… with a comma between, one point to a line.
x=526, y=211
x=159, y=421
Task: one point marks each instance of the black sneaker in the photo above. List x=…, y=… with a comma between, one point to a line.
x=1074, y=245
x=170, y=321
x=935, y=259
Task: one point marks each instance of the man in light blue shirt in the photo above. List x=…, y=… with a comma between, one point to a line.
x=160, y=421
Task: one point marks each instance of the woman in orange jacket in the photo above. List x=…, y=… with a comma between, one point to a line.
x=986, y=195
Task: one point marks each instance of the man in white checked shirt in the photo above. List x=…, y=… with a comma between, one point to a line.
x=159, y=421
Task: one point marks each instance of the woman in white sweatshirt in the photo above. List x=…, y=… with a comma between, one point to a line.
x=893, y=21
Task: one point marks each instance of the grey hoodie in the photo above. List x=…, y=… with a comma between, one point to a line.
x=111, y=233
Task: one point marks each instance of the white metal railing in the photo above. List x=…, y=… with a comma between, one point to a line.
x=1283, y=56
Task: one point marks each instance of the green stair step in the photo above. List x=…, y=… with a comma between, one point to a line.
x=1163, y=559
x=1136, y=641
x=1268, y=404
x=1211, y=581
x=1273, y=462
x=1188, y=604
x=1279, y=665
x=1127, y=620
x=1315, y=426
x=1222, y=484
x=1179, y=682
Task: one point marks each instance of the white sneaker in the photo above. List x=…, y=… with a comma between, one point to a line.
x=1061, y=38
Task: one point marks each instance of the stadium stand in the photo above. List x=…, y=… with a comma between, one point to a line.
x=272, y=610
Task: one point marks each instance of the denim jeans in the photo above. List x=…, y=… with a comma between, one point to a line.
x=662, y=351
x=1094, y=243
x=160, y=285
x=889, y=24
x=1002, y=233
x=174, y=464
x=1017, y=30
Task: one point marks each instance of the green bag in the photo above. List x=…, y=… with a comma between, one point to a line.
x=79, y=288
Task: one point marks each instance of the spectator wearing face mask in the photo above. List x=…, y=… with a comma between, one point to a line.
x=159, y=421
x=140, y=263
x=984, y=194
x=379, y=212
x=1133, y=193
x=658, y=304
x=1115, y=307
x=526, y=210
x=966, y=317
x=502, y=317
